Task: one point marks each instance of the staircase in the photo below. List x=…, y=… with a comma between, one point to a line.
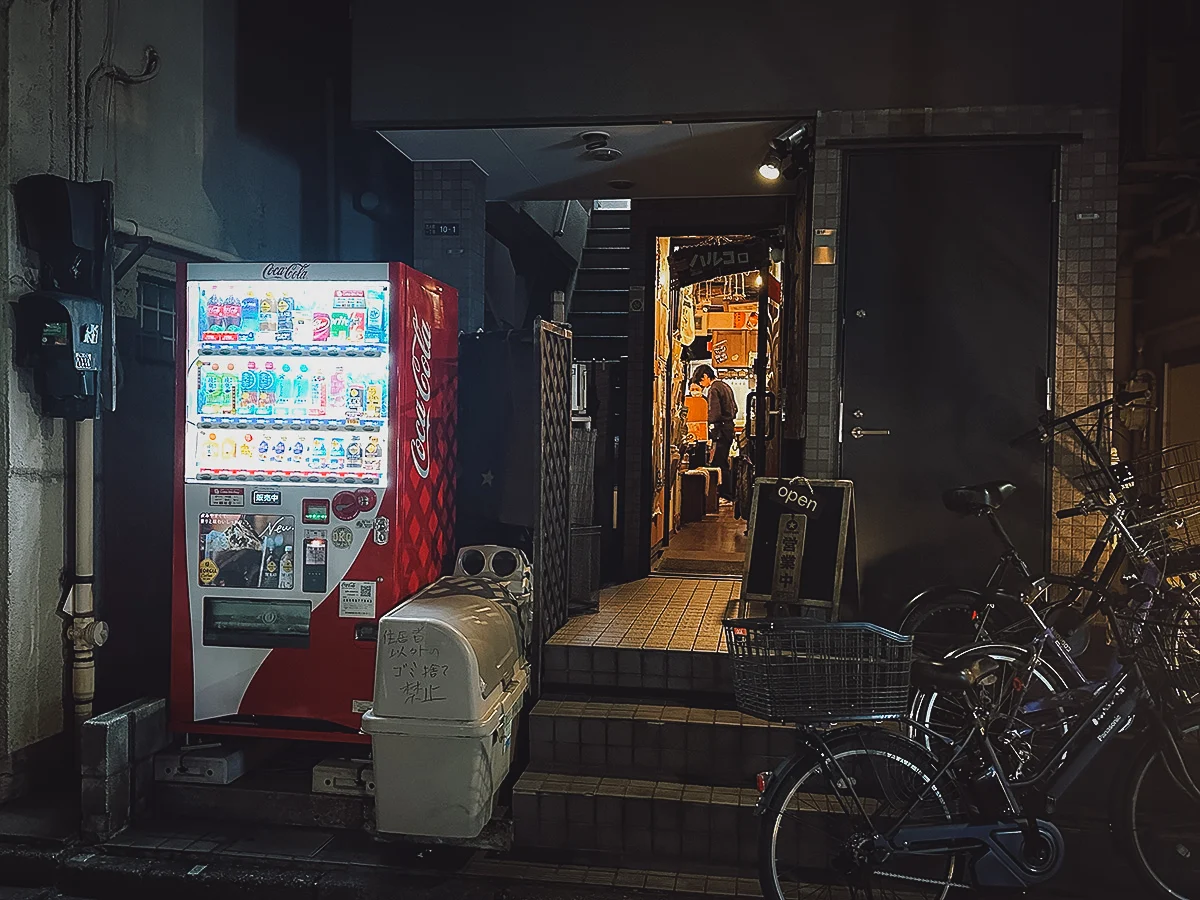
x=600, y=302
x=645, y=783
x=641, y=774
x=637, y=758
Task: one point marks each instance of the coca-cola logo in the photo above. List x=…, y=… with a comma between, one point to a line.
x=422, y=353
x=286, y=271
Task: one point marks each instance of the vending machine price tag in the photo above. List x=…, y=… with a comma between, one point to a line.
x=226, y=496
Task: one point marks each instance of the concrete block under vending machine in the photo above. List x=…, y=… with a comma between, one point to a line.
x=208, y=764
x=345, y=777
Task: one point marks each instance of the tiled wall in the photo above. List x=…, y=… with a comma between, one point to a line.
x=1087, y=265
x=452, y=193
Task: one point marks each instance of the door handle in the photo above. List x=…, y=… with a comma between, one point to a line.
x=752, y=413
x=856, y=432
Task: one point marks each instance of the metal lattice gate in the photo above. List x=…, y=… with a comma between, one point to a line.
x=551, y=546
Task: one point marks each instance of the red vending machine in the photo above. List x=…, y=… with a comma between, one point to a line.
x=315, y=456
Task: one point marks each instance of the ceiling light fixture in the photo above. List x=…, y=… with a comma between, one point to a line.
x=771, y=167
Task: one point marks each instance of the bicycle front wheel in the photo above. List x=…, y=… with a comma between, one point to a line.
x=816, y=837
x=943, y=623
x=1160, y=821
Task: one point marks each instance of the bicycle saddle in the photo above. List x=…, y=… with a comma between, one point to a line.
x=974, y=499
x=955, y=675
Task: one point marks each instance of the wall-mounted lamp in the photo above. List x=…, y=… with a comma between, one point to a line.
x=787, y=154
x=824, y=246
x=772, y=166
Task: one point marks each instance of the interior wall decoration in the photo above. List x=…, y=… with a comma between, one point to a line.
x=658, y=415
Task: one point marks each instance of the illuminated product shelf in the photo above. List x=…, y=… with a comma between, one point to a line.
x=277, y=457
x=290, y=350
x=288, y=477
x=277, y=424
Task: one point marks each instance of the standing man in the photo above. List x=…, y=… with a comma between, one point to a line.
x=722, y=410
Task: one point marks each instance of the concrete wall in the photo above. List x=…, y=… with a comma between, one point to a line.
x=181, y=165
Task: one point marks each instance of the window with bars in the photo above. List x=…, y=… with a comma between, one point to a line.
x=156, y=320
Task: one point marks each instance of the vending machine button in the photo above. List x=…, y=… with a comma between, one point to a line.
x=346, y=506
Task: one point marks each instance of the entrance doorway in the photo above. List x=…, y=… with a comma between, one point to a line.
x=947, y=287
x=707, y=371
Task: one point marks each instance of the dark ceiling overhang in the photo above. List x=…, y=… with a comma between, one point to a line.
x=538, y=62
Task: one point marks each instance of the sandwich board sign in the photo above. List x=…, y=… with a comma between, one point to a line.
x=801, y=553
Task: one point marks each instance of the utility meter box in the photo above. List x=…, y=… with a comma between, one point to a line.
x=57, y=337
x=450, y=681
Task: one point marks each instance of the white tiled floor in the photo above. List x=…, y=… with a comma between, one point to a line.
x=659, y=613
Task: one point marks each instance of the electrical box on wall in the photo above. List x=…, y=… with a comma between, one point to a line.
x=57, y=337
x=65, y=327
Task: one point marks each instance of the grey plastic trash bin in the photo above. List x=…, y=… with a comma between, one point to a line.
x=450, y=681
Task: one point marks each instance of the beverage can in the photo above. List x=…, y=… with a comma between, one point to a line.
x=320, y=326
x=337, y=391
x=284, y=318
x=358, y=325
x=249, y=322
x=376, y=332
x=339, y=325
x=374, y=402
x=266, y=316
x=319, y=396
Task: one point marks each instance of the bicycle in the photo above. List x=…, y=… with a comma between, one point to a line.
x=1041, y=685
x=877, y=813
x=946, y=617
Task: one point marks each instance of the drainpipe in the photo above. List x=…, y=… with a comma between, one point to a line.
x=84, y=633
x=131, y=229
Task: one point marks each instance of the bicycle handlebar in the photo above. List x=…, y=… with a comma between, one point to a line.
x=1071, y=512
x=1047, y=427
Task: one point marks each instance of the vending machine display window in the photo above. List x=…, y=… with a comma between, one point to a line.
x=288, y=382
x=240, y=551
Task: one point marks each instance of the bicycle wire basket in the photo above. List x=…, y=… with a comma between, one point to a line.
x=796, y=670
x=1165, y=640
x=1166, y=480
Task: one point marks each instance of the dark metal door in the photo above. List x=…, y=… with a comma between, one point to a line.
x=947, y=299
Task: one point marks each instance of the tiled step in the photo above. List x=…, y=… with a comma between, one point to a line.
x=610, y=218
x=638, y=819
x=615, y=299
x=607, y=257
x=601, y=236
x=612, y=347
x=692, y=881
x=665, y=743
x=657, y=670
x=603, y=276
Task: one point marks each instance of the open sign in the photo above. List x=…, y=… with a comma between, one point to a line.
x=798, y=495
